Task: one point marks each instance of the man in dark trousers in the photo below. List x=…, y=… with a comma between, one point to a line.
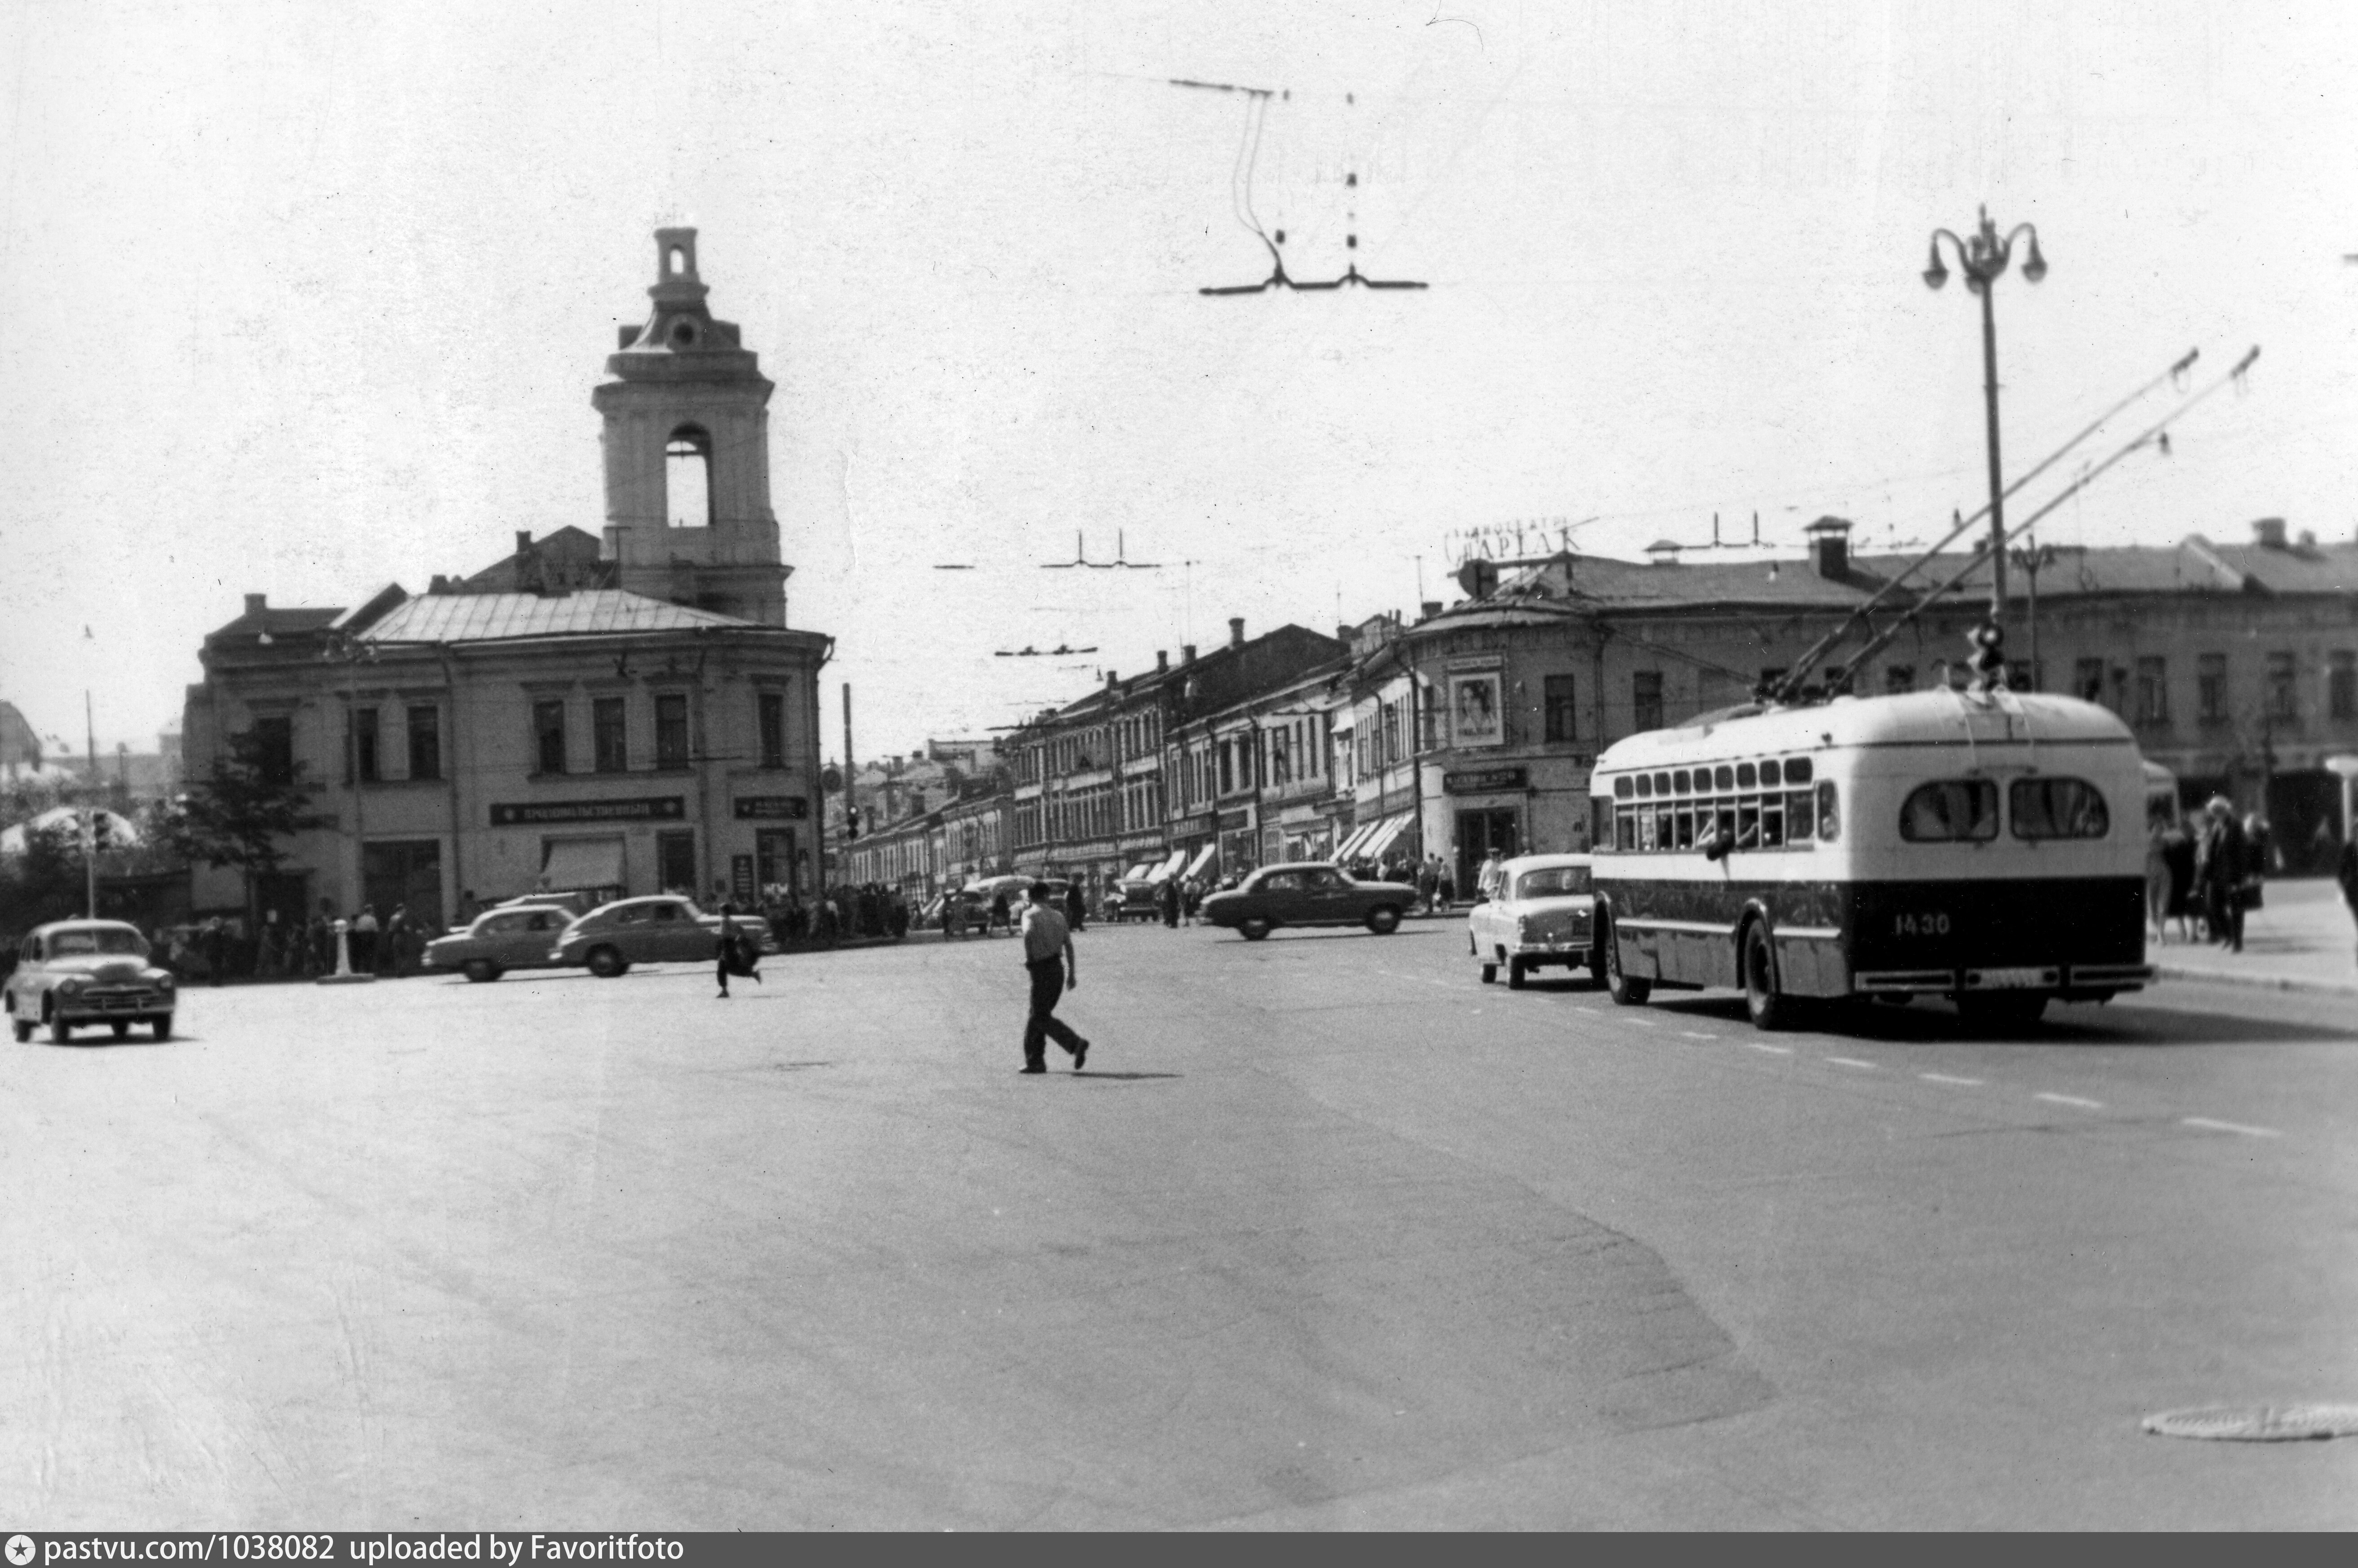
x=2346, y=872
x=1049, y=959
x=2219, y=867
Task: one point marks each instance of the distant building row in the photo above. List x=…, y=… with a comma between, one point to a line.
x=1475, y=726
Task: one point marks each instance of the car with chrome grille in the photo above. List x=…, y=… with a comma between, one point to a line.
x=71, y=974
x=1545, y=914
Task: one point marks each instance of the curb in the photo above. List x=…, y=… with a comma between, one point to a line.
x=2257, y=981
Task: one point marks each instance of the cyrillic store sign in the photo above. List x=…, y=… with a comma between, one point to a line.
x=649, y=808
x=792, y=807
x=1482, y=781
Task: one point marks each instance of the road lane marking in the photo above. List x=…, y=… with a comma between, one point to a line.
x=2205, y=1121
x=1945, y=1079
x=1639, y=1024
x=1690, y=1034
x=1772, y=1050
x=2070, y=1100
x=1850, y=1062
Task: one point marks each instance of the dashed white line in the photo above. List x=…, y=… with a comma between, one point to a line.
x=2073, y=1100
x=1639, y=1024
x=1945, y=1079
x=2205, y=1121
x=1690, y=1034
x=1850, y=1062
x=1772, y=1050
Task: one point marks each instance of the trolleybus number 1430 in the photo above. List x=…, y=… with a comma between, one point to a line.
x=1935, y=924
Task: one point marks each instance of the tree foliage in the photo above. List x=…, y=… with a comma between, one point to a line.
x=238, y=815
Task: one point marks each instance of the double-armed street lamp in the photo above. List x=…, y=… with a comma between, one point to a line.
x=1983, y=258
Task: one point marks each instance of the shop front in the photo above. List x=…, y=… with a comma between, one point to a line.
x=1239, y=840
x=1483, y=810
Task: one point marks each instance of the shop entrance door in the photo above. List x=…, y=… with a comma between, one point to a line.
x=403, y=872
x=1479, y=832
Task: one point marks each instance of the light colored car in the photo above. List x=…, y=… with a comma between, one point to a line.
x=1545, y=913
x=662, y=929
x=1308, y=892
x=512, y=937
x=71, y=973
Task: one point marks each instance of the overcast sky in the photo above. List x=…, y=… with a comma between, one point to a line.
x=301, y=299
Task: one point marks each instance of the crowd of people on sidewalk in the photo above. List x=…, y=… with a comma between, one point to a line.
x=2206, y=873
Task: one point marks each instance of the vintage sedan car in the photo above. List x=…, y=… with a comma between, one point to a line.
x=1308, y=892
x=71, y=973
x=512, y=937
x=1545, y=913
x=664, y=928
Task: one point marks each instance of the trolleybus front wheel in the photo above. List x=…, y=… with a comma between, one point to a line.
x=1769, y=1008
x=1627, y=991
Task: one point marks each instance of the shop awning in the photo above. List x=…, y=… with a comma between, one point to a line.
x=1390, y=828
x=1349, y=848
x=1204, y=858
x=1169, y=867
x=582, y=863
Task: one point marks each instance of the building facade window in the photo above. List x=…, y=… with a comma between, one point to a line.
x=1391, y=733
x=2211, y=688
x=671, y=730
x=770, y=710
x=364, y=754
x=273, y=736
x=1646, y=699
x=1898, y=678
x=424, y=743
x=610, y=732
x=548, y=736
x=2284, y=695
x=2088, y=680
x=2342, y=684
x=1556, y=699
x=2152, y=690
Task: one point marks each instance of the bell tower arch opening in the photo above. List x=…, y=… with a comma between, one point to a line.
x=687, y=478
x=687, y=453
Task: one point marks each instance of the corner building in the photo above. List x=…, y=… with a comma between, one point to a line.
x=517, y=730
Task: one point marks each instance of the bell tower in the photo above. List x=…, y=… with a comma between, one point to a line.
x=687, y=454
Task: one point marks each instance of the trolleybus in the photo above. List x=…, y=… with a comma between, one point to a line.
x=1986, y=847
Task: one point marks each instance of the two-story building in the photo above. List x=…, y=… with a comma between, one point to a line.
x=645, y=721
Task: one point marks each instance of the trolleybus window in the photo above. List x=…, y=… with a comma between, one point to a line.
x=1949, y=810
x=1829, y=812
x=2058, y=808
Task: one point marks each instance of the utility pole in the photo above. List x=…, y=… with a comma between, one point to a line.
x=90, y=808
x=851, y=768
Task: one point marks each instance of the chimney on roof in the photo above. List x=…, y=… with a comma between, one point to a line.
x=1236, y=631
x=1663, y=552
x=2268, y=532
x=523, y=540
x=441, y=584
x=1162, y=660
x=2308, y=538
x=255, y=603
x=1428, y=608
x=1186, y=653
x=1112, y=680
x=1830, y=544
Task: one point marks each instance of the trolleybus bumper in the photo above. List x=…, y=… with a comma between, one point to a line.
x=2074, y=982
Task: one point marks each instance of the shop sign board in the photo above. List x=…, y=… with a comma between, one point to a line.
x=1486, y=781
x=770, y=808
x=650, y=808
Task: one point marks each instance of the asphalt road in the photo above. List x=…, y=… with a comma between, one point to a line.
x=1329, y=1234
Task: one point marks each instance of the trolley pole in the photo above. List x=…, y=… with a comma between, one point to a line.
x=89, y=808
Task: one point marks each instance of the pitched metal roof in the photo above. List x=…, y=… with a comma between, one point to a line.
x=496, y=617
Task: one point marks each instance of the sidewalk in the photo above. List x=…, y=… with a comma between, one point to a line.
x=2302, y=938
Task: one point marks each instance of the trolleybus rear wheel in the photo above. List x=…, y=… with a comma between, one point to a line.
x=1769, y=1008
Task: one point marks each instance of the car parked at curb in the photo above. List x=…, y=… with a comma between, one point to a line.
x=1545, y=914
x=1307, y=892
x=73, y=973
x=510, y=937
x=660, y=929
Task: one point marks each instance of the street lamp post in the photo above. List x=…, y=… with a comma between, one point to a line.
x=1983, y=258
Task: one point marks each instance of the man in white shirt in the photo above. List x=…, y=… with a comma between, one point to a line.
x=1048, y=958
x=1492, y=873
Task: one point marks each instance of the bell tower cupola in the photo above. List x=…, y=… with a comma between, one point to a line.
x=687, y=454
